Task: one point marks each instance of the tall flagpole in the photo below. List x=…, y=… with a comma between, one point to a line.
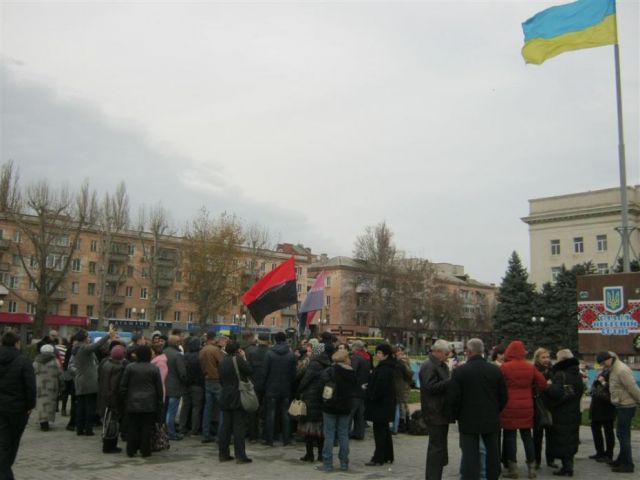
x=624, y=230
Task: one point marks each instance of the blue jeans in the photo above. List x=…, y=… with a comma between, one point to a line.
x=331, y=423
x=282, y=404
x=172, y=413
x=396, y=419
x=211, y=398
x=623, y=431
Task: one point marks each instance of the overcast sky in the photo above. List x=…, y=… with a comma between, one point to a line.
x=319, y=118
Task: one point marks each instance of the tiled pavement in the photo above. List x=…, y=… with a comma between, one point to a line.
x=61, y=455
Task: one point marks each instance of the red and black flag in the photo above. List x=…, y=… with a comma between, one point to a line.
x=276, y=290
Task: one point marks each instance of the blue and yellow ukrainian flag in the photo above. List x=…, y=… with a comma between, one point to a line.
x=577, y=25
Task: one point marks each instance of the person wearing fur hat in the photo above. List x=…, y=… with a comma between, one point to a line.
x=109, y=400
x=563, y=398
x=48, y=381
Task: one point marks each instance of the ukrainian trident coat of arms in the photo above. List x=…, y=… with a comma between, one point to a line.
x=613, y=299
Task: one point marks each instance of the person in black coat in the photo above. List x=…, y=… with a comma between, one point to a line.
x=256, y=354
x=110, y=374
x=17, y=399
x=234, y=364
x=277, y=382
x=362, y=368
x=563, y=397
x=339, y=380
x=310, y=392
x=381, y=404
x=602, y=414
x=193, y=398
x=142, y=393
x=434, y=382
x=476, y=395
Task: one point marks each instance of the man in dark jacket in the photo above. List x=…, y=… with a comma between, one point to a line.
x=256, y=354
x=17, y=399
x=434, y=380
x=362, y=368
x=193, y=398
x=110, y=405
x=279, y=375
x=175, y=383
x=477, y=394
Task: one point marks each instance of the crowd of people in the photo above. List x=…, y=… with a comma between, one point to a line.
x=158, y=390
x=495, y=400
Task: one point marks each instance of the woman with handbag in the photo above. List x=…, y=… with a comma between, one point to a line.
x=233, y=369
x=602, y=414
x=310, y=392
x=110, y=374
x=542, y=362
x=564, y=395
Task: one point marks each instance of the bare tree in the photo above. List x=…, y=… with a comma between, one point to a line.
x=9, y=192
x=113, y=220
x=49, y=222
x=159, y=260
x=213, y=247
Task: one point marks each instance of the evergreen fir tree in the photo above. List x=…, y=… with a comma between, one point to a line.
x=516, y=297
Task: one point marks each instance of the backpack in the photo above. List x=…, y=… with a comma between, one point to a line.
x=417, y=426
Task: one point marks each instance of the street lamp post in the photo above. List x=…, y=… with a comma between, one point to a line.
x=537, y=321
x=138, y=314
x=417, y=323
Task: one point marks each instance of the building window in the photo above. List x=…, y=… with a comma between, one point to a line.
x=75, y=265
x=178, y=295
x=145, y=273
x=178, y=276
x=31, y=308
x=92, y=267
x=13, y=306
x=190, y=317
x=89, y=310
x=32, y=285
x=273, y=321
x=33, y=261
x=142, y=314
x=159, y=315
x=77, y=244
x=578, y=245
x=176, y=316
x=555, y=273
x=16, y=260
x=298, y=271
x=555, y=247
x=299, y=287
x=129, y=271
x=128, y=313
x=91, y=289
x=75, y=288
x=14, y=282
x=144, y=294
x=328, y=301
x=17, y=236
x=601, y=241
x=131, y=249
x=129, y=291
x=94, y=245
x=73, y=310
x=602, y=268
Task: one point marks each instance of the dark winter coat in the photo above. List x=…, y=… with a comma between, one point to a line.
x=110, y=374
x=195, y=376
x=230, y=395
x=311, y=386
x=141, y=388
x=434, y=382
x=84, y=365
x=601, y=408
x=177, y=376
x=402, y=380
x=477, y=394
x=346, y=389
x=17, y=382
x=563, y=398
x=279, y=371
x=362, y=368
x=523, y=380
x=380, y=405
x=256, y=355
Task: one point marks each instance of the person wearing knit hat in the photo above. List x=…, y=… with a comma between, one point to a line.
x=47, y=348
x=110, y=407
x=48, y=377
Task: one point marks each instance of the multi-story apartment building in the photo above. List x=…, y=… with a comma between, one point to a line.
x=115, y=281
x=576, y=228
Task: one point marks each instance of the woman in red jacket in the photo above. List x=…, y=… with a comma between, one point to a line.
x=521, y=378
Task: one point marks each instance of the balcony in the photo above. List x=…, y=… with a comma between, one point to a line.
x=118, y=257
x=58, y=296
x=167, y=258
x=59, y=250
x=165, y=281
x=4, y=244
x=4, y=267
x=115, y=277
x=114, y=299
x=163, y=303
